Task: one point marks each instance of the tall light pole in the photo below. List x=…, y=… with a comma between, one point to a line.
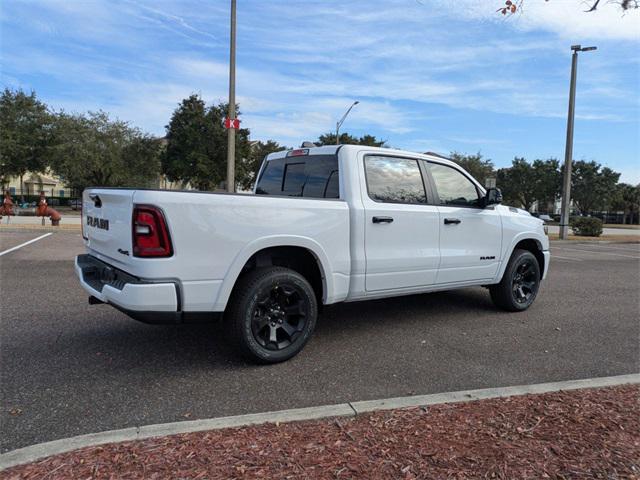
x=568, y=151
x=339, y=124
x=231, y=132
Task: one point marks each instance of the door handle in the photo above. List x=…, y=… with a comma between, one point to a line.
x=382, y=219
x=449, y=221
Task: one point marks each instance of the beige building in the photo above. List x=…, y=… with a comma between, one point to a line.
x=34, y=183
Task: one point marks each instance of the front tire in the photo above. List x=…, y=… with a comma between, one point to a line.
x=520, y=283
x=271, y=314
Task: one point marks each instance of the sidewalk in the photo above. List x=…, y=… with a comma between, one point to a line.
x=32, y=220
x=21, y=223
x=589, y=433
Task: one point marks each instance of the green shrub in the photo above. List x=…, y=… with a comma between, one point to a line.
x=586, y=226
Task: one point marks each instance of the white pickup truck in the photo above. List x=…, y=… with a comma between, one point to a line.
x=324, y=225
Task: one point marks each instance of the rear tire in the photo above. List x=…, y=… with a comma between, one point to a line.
x=271, y=314
x=520, y=283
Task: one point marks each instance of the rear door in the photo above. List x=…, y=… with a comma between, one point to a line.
x=470, y=236
x=401, y=227
x=106, y=222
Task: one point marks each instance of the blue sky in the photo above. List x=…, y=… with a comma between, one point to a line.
x=437, y=75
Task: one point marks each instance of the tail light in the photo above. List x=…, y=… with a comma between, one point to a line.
x=150, y=233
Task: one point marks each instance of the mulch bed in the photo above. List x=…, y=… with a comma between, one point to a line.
x=566, y=435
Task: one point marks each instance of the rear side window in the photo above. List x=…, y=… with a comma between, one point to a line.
x=394, y=180
x=314, y=176
x=270, y=182
x=453, y=187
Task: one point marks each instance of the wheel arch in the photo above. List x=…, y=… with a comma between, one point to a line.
x=529, y=243
x=534, y=246
x=301, y=254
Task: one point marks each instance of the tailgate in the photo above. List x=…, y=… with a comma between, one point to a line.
x=106, y=221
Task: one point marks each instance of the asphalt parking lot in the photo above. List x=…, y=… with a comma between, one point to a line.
x=68, y=368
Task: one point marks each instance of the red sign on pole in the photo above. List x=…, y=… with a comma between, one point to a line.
x=232, y=123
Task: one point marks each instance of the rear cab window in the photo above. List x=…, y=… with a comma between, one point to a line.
x=308, y=176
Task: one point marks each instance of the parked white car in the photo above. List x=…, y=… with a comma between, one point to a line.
x=324, y=225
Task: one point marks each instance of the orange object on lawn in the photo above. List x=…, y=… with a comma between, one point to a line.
x=44, y=210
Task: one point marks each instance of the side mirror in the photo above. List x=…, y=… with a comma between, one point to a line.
x=492, y=197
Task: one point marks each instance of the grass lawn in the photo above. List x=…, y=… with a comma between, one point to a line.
x=623, y=227
x=601, y=238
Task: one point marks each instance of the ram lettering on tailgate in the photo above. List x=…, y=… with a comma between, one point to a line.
x=101, y=223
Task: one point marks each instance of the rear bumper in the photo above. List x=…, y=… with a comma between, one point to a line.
x=149, y=302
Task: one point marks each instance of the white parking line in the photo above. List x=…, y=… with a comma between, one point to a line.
x=630, y=248
x=558, y=257
x=25, y=244
x=602, y=252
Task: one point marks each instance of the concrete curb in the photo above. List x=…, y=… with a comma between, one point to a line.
x=41, y=450
x=485, y=393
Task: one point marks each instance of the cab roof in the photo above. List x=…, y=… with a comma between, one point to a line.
x=333, y=149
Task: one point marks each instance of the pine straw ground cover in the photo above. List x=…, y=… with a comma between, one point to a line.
x=578, y=434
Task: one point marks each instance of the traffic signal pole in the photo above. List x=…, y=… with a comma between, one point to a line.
x=231, y=132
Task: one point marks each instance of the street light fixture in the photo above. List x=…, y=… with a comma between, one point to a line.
x=339, y=124
x=568, y=151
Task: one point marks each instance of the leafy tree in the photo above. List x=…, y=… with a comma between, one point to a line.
x=627, y=200
x=518, y=183
x=197, y=145
x=93, y=150
x=346, y=139
x=25, y=134
x=479, y=168
x=371, y=141
x=141, y=158
x=547, y=179
x=592, y=186
x=251, y=164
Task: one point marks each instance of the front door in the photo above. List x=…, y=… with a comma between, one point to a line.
x=470, y=236
x=401, y=227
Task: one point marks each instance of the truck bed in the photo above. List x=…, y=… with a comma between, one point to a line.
x=214, y=234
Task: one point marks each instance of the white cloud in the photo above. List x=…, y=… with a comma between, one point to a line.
x=566, y=18
x=301, y=64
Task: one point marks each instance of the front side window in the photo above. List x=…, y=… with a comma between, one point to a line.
x=453, y=187
x=394, y=180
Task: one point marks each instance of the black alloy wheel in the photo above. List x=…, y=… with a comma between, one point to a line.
x=520, y=282
x=279, y=316
x=271, y=314
x=525, y=281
